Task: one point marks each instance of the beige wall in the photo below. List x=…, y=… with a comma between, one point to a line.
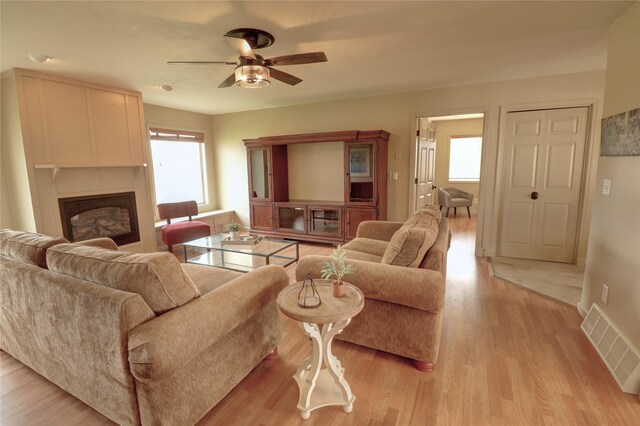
x=15, y=196
x=175, y=119
x=396, y=114
x=316, y=171
x=444, y=131
x=614, y=244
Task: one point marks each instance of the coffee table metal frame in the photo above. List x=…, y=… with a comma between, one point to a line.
x=268, y=249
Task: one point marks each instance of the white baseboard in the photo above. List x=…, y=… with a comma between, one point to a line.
x=581, y=310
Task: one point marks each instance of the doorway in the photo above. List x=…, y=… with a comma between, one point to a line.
x=543, y=158
x=448, y=151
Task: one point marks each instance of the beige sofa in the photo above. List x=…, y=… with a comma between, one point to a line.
x=403, y=308
x=138, y=337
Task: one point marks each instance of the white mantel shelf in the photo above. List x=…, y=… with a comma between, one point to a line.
x=55, y=168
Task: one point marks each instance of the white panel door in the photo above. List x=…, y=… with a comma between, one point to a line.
x=543, y=158
x=425, y=165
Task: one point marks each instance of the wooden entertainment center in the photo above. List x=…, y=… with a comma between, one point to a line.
x=365, y=187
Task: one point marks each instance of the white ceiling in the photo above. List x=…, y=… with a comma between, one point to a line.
x=373, y=47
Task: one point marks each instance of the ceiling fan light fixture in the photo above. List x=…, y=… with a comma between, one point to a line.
x=252, y=76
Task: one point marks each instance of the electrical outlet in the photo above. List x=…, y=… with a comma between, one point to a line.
x=605, y=293
x=606, y=186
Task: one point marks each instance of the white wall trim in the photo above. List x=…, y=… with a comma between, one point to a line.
x=581, y=310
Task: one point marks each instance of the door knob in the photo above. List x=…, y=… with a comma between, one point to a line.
x=534, y=195
x=433, y=187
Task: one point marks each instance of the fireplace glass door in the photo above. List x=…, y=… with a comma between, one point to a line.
x=104, y=215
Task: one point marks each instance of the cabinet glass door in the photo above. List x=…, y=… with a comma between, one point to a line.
x=361, y=173
x=259, y=171
x=291, y=218
x=325, y=221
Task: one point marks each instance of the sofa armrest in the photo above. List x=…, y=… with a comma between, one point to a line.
x=105, y=243
x=414, y=287
x=378, y=229
x=160, y=347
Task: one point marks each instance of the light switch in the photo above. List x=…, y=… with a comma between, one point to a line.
x=395, y=175
x=606, y=186
x=397, y=155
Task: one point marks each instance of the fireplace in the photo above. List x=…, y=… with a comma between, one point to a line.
x=95, y=216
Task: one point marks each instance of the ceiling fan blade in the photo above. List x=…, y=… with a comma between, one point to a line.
x=200, y=62
x=296, y=59
x=291, y=80
x=230, y=81
x=241, y=46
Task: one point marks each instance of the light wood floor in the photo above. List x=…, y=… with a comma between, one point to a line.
x=508, y=357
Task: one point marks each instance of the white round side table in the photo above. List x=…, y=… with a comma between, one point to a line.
x=320, y=387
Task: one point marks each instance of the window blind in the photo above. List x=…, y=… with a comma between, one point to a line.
x=175, y=135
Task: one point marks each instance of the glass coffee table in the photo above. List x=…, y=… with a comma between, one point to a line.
x=242, y=257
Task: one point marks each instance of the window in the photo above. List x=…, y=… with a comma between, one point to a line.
x=179, y=168
x=464, y=158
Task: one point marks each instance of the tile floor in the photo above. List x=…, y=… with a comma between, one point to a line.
x=560, y=281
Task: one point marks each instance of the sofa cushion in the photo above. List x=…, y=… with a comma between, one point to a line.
x=358, y=255
x=207, y=278
x=412, y=241
x=27, y=247
x=432, y=211
x=367, y=245
x=103, y=242
x=157, y=277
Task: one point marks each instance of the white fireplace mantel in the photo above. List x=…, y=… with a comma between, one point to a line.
x=55, y=168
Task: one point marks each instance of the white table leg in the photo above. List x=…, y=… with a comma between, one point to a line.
x=310, y=368
x=336, y=390
x=329, y=331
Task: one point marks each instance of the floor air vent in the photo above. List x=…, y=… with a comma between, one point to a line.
x=618, y=353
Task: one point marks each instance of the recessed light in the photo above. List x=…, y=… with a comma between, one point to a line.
x=166, y=88
x=38, y=57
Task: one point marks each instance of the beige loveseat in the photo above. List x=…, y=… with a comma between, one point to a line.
x=164, y=352
x=403, y=308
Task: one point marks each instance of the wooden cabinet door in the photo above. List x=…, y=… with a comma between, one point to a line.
x=261, y=216
x=360, y=180
x=353, y=219
x=291, y=218
x=76, y=124
x=110, y=126
x=325, y=220
x=259, y=167
x=67, y=130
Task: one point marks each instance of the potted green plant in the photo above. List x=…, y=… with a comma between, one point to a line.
x=336, y=267
x=234, y=231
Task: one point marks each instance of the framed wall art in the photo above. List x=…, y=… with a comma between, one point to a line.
x=360, y=161
x=621, y=134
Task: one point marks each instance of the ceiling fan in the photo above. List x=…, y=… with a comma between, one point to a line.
x=253, y=71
